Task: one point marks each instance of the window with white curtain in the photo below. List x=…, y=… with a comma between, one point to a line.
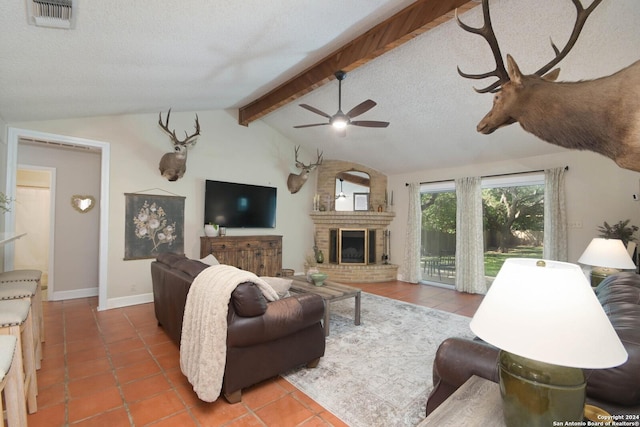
x=513, y=218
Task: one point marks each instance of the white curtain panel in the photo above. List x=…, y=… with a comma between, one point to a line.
x=410, y=269
x=469, y=237
x=555, y=245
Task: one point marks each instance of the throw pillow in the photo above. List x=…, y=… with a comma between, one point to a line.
x=210, y=260
x=279, y=284
x=248, y=300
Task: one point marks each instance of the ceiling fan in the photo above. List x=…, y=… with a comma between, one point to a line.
x=340, y=120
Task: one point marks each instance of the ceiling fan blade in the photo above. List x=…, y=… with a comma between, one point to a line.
x=361, y=108
x=315, y=110
x=370, y=123
x=308, y=126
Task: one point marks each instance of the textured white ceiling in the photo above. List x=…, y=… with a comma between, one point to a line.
x=145, y=56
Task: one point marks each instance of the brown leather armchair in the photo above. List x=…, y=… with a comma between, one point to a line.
x=264, y=339
x=616, y=390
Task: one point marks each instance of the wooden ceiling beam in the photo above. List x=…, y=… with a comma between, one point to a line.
x=354, y=179
x=410, y=22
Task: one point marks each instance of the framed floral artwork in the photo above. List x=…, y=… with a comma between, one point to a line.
x=154, y=224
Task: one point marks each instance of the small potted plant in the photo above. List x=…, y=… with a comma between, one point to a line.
x=621, y=230
x=211, y=230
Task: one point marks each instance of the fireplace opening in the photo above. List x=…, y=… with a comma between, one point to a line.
x=352, y=246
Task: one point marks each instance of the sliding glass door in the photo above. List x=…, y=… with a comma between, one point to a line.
x=513, y=218
x=438, y=247
x=513, y=210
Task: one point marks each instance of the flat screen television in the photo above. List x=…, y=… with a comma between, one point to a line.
x=234, y=205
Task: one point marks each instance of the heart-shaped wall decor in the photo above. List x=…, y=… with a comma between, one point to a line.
x=83, y=204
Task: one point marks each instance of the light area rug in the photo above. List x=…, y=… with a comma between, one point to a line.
x=379, y=373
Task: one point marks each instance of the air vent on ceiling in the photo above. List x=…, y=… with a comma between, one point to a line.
x=52, y=13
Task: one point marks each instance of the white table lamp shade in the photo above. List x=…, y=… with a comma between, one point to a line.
x=609, y=253
x=549, y=314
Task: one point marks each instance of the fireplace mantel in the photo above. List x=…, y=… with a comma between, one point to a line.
x=365, y=218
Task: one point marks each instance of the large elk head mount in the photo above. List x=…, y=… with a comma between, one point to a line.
x=174, y=165
x=601, y=115
x=296, y=181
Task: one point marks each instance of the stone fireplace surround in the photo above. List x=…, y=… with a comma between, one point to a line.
x=327, y=220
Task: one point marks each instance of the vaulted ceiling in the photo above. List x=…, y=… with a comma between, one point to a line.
x=259, y=60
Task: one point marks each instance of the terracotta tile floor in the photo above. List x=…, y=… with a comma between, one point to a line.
x=118, y=368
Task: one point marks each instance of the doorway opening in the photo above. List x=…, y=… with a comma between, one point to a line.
x=34, y=210
x=18, y=136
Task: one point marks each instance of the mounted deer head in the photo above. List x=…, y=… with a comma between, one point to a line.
x=601, y=115
x=295, y=182
x=174, y=165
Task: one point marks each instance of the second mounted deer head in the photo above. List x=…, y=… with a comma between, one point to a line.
x=601, y=115
x=296, y=181
x=174, y=165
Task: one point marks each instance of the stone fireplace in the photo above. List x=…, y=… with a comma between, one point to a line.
x=353, y=241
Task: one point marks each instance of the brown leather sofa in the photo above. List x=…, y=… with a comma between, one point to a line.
x=616, y=390
x=264, y=339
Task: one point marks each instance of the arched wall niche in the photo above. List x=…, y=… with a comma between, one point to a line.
x=326, y=182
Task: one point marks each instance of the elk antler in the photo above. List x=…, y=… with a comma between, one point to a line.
x=486, y=31
x=581, y=17
x=172, y=133
x=301, y=165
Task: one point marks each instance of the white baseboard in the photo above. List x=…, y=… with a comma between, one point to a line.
x=111, y=303
x=128, y=301
x=77, y=293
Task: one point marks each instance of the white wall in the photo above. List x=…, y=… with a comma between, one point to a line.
x=3, y=135
x=3, y=180
x=225, y=151
x=596, y=190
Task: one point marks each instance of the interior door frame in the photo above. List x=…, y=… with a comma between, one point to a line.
x=13, y=140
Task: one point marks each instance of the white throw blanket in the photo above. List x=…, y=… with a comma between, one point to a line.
x=203, y=346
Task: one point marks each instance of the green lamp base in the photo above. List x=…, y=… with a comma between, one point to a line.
x=598, y=274
x=537, y=394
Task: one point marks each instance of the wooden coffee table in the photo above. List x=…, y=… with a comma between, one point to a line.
x=330, y=291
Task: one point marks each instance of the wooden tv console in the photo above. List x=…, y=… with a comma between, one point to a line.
x=261, y=255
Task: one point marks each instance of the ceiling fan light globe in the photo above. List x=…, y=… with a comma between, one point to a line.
x=339, y=124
